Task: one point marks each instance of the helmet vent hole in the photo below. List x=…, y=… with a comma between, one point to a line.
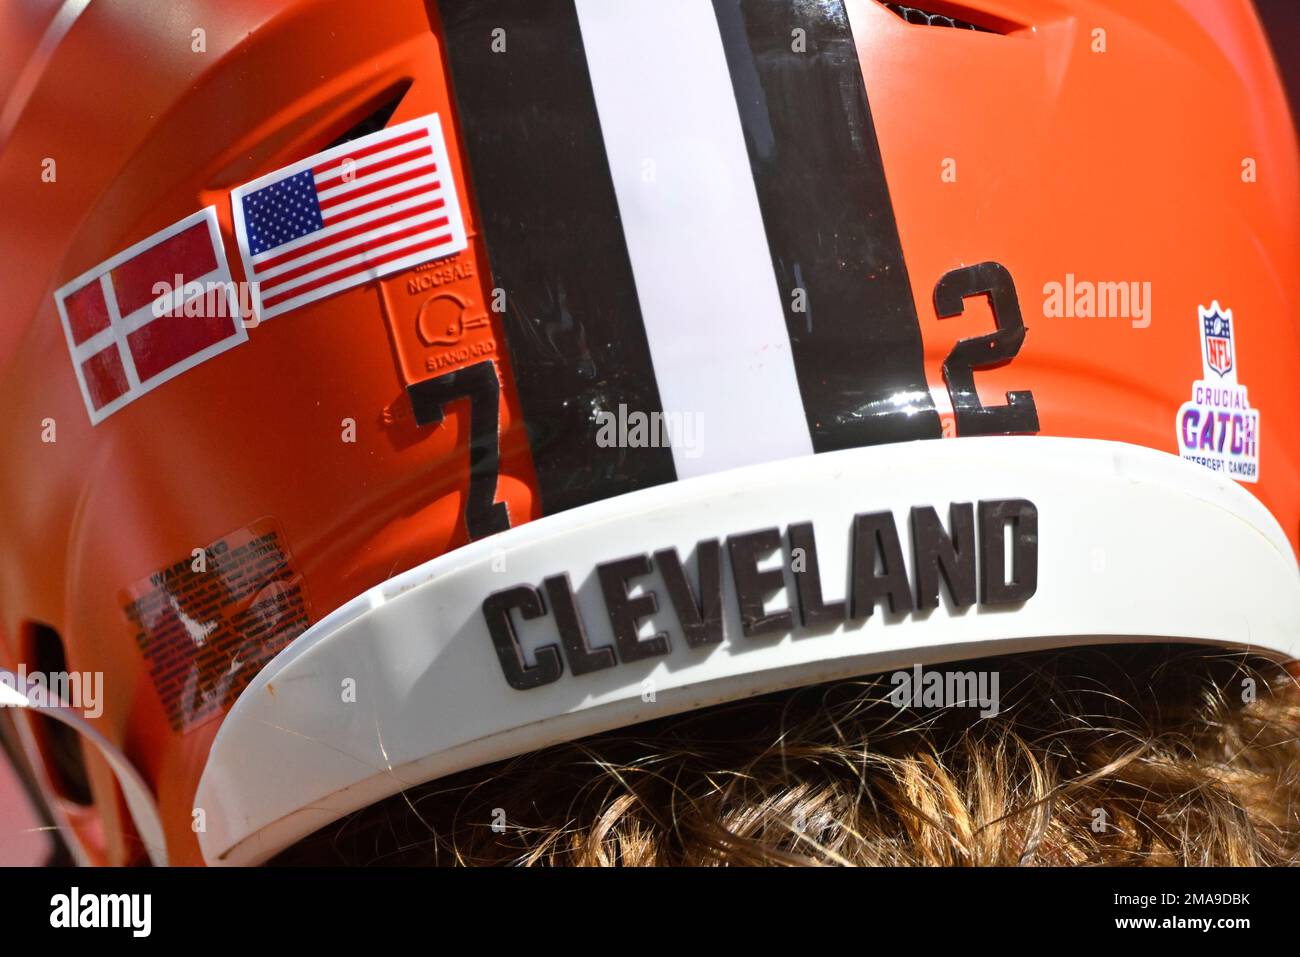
x=59, y=745
x=377, y=117
x=927, y=18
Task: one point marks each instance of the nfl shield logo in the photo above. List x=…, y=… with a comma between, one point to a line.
x=1218, y=341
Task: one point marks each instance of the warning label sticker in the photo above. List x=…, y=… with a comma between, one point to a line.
x=209, y=622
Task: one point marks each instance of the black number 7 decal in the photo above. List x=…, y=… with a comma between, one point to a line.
x=478, y=383
x=984, y=352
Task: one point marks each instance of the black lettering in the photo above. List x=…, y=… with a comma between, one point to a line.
x=753, y=585
x=874, y=534
x=813, y=610
x=625, y=612
x=994, y=518
x=700, y=619
x=581, y=656
x=935, y=552
x=496, y=612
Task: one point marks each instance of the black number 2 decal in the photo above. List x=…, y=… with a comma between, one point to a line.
x=478, y=383
x=984, y=352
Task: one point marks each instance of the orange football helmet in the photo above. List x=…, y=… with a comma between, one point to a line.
x=390, y=390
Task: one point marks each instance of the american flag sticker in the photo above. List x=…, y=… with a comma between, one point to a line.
x=373, y=206
x=150, y=313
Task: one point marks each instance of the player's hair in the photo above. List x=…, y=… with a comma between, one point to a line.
x=1155, y=754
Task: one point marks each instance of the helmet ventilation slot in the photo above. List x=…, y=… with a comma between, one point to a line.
x=377, y=118
x=60, y=746
x=932, y=18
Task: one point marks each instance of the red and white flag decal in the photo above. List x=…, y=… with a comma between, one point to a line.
x=150, y=313
x=373, y=206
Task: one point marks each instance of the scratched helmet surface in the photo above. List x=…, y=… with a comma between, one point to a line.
x=388, y=392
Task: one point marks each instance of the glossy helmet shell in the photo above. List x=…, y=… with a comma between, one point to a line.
x=1029, y=142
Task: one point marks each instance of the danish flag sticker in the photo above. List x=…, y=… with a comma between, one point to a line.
x=153, y=311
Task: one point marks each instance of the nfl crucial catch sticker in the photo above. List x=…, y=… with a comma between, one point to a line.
x=1217, y=428
x=375, y=205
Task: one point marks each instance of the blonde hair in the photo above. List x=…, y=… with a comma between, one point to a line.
x=1152, y=754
